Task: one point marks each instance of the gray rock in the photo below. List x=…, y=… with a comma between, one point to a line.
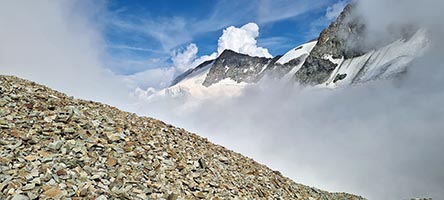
x=172, y=196
x=20, y=197
x=237, y=67
x=56, y=145
x=29, y=186
x=342, y=39
x=240, y=68
x=69, y=130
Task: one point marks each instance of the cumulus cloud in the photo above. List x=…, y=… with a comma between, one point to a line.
x=242, y=40
x=186, y=59
x=182, y=60
x=149, y=82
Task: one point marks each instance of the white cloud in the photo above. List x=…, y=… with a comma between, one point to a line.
x=133, y=48
x=175, y=31
x=182, y=60
x=170, y=32
x=187, y=58
x=242, y=40
x=56, y=43
x=148, y=82
x=276, y=10
x=157, y=78
x=334, y=10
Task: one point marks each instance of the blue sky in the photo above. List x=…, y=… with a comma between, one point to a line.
x=142, y=35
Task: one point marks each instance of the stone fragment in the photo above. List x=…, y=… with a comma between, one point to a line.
x=111, y=162
x=56, y=145
x=69, y=130
x=61, y=172
x=53, y=192
x=28, y=187
x=20, y=197
x=202, y=163
x=172, y=196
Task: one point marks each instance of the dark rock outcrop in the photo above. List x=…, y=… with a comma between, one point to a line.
x=342, y=39
x=241, y=68
x=345, y=39
x=236, y=66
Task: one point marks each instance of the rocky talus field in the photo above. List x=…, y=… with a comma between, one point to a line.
x=53, y=146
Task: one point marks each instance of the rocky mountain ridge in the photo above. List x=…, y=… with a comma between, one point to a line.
x=56, y=147
x=339, y=56
x=240, y=68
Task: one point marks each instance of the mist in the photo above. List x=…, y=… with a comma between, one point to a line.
x=59, y=44
x=382, y=139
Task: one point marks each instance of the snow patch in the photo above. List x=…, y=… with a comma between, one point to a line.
x=297, y=52
x=192, y=87
x=302, y=52
x=381, y=63
x=330, y=58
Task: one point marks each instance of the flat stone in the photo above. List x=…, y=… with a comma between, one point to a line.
x=30, y=158
x=69, y=130
x=53, y=192
x=101, y=197
x=111, y=162
x=20, y=197
x=3, y=102
x=56, y=145
x=173, y=196
x=28, y=187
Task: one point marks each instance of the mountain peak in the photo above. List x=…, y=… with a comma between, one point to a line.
x=340, y=56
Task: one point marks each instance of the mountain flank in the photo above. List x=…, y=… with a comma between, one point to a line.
x=56, y=147
x=341, y=56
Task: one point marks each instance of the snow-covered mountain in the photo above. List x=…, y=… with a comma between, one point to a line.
x=338, y=57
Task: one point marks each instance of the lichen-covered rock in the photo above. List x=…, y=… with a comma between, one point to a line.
x=57, y=147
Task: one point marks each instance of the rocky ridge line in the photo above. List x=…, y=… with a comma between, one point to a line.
x=56, y=147
x=341, y=39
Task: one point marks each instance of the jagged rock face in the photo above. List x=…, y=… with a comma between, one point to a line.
x=237, y=67
x=278, y=70
x=56, y=147
x=345, y=53
x=342, y=39
x=241, y=68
